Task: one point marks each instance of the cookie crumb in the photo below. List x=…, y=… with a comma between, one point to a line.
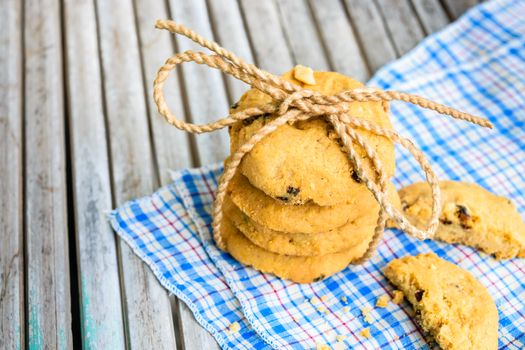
x=339, y=338
x=398, y=297
x=234, y=327
x=382, y=301
x=365, y=332
x=322, y=347
x=295, y=319
x=315, y=300
x=344, y=299
x=304, y=74
x=346, y=309
x=340, y=346
x=324, y=298
x=366, y=314
x=321, y=309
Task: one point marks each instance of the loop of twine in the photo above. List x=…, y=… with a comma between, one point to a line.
x=294, y=104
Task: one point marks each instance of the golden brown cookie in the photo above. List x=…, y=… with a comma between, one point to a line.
x=302, y=244
x=306, y=218
x=300, y=269
x=450, y=303
x=306, y=161
x=471, y=215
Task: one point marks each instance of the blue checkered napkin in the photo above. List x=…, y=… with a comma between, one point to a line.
x=161, y=233
x=477, y=64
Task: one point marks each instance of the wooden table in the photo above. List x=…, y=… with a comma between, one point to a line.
x=79, y=135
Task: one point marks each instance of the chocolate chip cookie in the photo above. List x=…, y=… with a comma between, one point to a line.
x=449, y=302
x=471, y=215
x=302, y=244
x=307, y=218
x=300, y=269
x=305, y=161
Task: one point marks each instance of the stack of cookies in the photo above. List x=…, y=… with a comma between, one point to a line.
x=295, y=207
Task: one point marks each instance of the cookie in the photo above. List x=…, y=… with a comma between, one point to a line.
x=300, y=269
x=302, y=244
x=471, y=215
x=449, y=302
x=306, y=161
x=306, y=218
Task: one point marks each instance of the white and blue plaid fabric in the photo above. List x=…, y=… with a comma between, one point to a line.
x=476, y=64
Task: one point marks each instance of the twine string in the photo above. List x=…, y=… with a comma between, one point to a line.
x=292, y=104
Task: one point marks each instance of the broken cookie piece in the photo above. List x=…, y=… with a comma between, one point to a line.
x=398, y=297
x=470, y=215
x=449, y=302
x=382, y=301
x=304, y=74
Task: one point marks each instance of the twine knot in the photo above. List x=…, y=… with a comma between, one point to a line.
x=293, y=103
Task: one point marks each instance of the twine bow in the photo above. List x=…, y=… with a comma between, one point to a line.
x=294, y=104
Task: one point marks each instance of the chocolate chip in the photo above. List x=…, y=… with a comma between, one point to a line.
x=294, y=191
x=356, y=177
x=251, y=119
x=464, y=216
x=419, y=294
x=319, y=278
x=284, y=199
x=290, y=240
x=445, y=221
x=235, y=105
x=462, y=212
x=465, y=226
x=329, y=129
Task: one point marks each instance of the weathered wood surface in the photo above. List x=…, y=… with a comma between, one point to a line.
x=339, y=39
x=171, y=145
x=97, y=258
x=227, y=23
x=267, y=37
x=402, y=24
x=149, y=323
x=46, y=219
x=432, y=15
x=298, y=24
x=12, y=327
x=172, y=148
x=458, y=7
x=204, y=87
x=372, y=32
x=98, y=84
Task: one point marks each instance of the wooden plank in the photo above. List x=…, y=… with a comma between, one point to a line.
x=146, y=303
x=372, y=33
x=172, y=148
x=48, y=288
x=301, y=31
x=431, y=15
x=204, y=87
x=271, y=51
x=194, y=336
x=12, y=325
x=229, y=30
x=339, y=39
x=402, y=24
x=171, y=145
x=102, y=323
x=458, y=7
